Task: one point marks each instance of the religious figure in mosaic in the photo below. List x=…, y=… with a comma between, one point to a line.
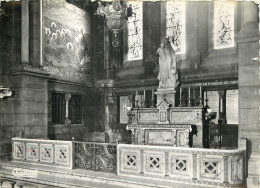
x=168, y=76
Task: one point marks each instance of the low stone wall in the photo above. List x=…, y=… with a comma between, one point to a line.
x=44, y=152
x=190, y=165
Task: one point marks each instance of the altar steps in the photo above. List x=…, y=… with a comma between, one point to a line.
x=79, y=178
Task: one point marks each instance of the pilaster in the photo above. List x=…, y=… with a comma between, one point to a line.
x=31, y=102
x=249, y=85
x=25, y=32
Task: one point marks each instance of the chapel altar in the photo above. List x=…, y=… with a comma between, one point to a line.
x=167, y=124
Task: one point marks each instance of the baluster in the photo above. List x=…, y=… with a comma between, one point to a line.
x=167, y=165
x=194, y=165
x=142, y=161
x=225, y=158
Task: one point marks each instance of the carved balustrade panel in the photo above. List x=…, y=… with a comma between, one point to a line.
x=190, y=165
x=44, y=152
x=19, y=150
x=95, y=156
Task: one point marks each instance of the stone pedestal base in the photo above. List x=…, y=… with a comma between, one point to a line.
x=167, y=94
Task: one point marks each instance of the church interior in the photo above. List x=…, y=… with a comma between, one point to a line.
x=129, y=93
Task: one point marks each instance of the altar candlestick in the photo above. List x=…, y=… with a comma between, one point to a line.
x=180, y=105
x=200, y=96
x=152, y=97
x=144, y=99
x=189, y=104
x=193, y=95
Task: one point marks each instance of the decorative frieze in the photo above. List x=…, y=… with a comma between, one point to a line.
x=205, y=84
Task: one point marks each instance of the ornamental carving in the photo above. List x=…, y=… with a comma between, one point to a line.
x=182, y=116
x=148, y=116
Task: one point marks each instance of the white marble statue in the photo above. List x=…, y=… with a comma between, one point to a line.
x=168, y=76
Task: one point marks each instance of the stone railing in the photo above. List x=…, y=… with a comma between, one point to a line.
x=45, y=152
x=187, y=165
x=95, y=156
x=66, y=154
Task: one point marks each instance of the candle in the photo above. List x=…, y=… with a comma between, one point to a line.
x=189, y=92
x=180, y=92
x=193, y=93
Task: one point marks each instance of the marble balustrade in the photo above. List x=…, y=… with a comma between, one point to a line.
x=44, y=152
x=187, y=165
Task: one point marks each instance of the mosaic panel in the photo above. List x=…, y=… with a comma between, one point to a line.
x=66, y=41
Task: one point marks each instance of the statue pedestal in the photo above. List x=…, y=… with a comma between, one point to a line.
x=167, y=94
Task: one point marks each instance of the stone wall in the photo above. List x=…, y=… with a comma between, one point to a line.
x=28, y=113
x=9, y=55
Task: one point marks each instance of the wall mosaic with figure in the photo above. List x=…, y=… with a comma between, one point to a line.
x=66, y=41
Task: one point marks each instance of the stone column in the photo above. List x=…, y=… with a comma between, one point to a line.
x=25, y=32
x=67, y=99
x=106, y=49
x=222, y=111
x=249, y=84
